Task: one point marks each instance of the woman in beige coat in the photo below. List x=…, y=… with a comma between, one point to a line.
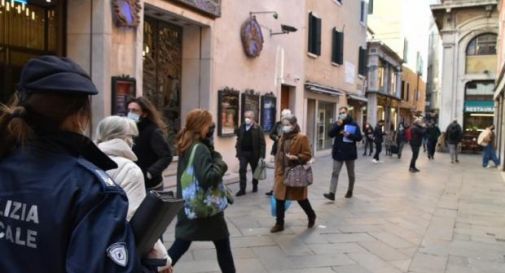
x=294, y=149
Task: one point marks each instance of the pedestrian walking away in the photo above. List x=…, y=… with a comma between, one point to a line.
x=151, y=146
x=432, y=134
x=114, y=136
x=294, y=150
x=250, y=147
x=487, y=140
x=346, y=134
x=400, y=138
x=73, y=216
x=418, y=131
x=454, y=135
x=209, y=169
x=388, y=141
x=368, y=132
x=276, y=135
x=378, y=135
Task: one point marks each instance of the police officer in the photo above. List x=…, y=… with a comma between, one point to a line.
x=59, y=211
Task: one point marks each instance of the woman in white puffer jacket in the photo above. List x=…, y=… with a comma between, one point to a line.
x=114, y=136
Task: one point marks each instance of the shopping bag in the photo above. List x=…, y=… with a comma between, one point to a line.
x=273, y=205
x=260, y=173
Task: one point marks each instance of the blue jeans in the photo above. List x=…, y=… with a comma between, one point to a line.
x=489, y=154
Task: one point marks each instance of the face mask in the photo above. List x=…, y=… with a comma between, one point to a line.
x=342, y=116
x=210, y=134
x=133, y=116
x=248, y=121
x=129, y=141
x=287, y=128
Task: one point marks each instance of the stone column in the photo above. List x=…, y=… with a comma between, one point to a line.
x=372, y=109
x=448, y=93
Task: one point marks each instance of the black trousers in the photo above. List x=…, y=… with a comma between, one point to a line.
x=281, y=209
x=432, y=144
x=415, y=155
x=247, y=158
x=223, y=250
x=368, y=146
x=378, y=150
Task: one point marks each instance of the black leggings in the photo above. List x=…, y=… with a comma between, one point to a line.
x=378, y=150
x=223, y=250
x=280, y=209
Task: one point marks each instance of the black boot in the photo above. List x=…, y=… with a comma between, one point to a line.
x=329, y=196
x=240, y=193
x=277, y=228
x=255, y=188
x=348, y=194
x=312, y=221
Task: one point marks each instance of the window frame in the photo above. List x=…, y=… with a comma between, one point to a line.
x=474, y=42
x=314, y=42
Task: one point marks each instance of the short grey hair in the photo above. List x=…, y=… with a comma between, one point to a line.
x=250, y=112
x=115, y=127
x=291, y=119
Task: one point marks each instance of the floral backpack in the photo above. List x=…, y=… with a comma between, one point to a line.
x=200, y=202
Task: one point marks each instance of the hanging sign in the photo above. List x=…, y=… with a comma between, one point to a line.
x=252, y=37
x=126, y=12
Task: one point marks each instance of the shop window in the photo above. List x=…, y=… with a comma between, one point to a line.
x=325, y=120
x=162, y=53
x=314, y=35
x=337, y=51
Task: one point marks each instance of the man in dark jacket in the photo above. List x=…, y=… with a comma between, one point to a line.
x=378, y=137
x=453, y=136
x=418, y=132
x=346, y=133
x=250, y=148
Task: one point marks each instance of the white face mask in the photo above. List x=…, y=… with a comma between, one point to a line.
x=287, y=128
x=248, y=121
x=129, y=141
x=133, y=116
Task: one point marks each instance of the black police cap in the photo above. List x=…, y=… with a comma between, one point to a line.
x=52, y=74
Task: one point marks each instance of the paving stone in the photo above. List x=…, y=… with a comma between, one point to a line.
x=383, y=251
x=428, y=263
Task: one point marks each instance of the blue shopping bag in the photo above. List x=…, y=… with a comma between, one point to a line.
x=273, y=205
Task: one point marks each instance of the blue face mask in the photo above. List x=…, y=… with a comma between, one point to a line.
x=133, y=116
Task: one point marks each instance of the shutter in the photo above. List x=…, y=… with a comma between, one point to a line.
x=311, y=33
x=362, y=61
x=334, y=46
x=317, y=38
x=340, y=44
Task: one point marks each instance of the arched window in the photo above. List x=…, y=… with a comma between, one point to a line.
x=484, y=44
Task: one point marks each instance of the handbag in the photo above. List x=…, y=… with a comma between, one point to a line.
x=299, y=176
x=202, y=202
x=260, y=171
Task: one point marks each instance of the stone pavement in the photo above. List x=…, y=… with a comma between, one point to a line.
x=447, y=218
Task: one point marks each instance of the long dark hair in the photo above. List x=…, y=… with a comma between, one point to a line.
x=20, y=121
x=152, y=113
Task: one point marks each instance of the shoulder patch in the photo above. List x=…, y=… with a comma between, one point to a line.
x=118, y=253
x=99, y=173
x=105, y=178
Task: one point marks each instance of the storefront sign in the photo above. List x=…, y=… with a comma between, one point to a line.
x=268, y=112
x=250, y=102
x=228, y=110
x=208, y=7
x=123, y=88
x=252, y=37
x=126, y=12
x=479, y=106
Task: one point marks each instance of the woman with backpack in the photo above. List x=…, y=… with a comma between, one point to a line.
x=196, y=152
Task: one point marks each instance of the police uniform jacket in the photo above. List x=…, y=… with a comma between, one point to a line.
x=60, y=212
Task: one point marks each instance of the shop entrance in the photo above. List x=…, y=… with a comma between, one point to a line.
x=479, y=106
x=27, y=31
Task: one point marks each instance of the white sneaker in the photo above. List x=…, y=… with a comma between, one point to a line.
x=489, y=166
x=375, y=161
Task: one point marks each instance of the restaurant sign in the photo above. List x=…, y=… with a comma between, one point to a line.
x=474, y=106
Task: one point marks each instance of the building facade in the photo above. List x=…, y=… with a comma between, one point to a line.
x=434, y=69
x=412, y=94
x=384, y=84
x=468, y=31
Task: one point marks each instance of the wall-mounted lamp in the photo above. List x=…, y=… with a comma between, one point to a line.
x=285, y=29
x=274, y=13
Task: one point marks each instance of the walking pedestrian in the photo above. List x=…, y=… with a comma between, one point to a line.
x=418, y=131
x=276, y=135
x=378, y=135
x=209, y=169
x=400, y=138
x=346, y=133
x=432, y=134
x=114, y=136
x=150, y=146
x=368, y=132
x=294, y=149
x=250, y=148
x=487, y=140
x=61, y=212
x=388, y=141
x=454, y=135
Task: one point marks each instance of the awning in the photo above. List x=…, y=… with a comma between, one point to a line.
x=356, y=97
x=316, y=88
x=474, y=106
x=384, y=95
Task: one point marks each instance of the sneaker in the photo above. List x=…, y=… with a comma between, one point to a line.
x=457, y=161
x=413, y=170
x=348, y=194
x=489, y=166
x=277, y=228
x=270, y=193
x=375, y=161
x=240, y=193
x=329, y=196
